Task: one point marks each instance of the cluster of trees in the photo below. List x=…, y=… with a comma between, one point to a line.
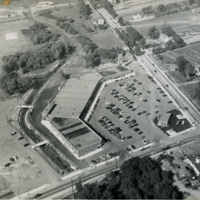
x=39, y=33
x=139, y=178
x=67, y=27
x=162, y=9
x=62, y=22
x=133, y=39
x=197, y=2
x=185, y=67
x=153, y=33
x=87, y=28
x=122, y=22
x=19, y=63
x=174, y=43
x=95, y=55
x=48, y=14
x=84, y=9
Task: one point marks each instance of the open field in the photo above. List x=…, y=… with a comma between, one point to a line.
x=15, y=45
x=130, y=7
x=73, y=12
x=191, y=53
x=107, y=40
x=181, y=19
x=192, y=91
x=30, y=170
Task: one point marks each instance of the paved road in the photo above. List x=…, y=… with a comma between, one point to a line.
x=179, y=97
x=105, y=169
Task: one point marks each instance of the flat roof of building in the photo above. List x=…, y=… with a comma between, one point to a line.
x=73, y=96
x=165, y=117
x=85, y=140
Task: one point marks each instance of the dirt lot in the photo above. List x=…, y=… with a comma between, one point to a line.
x=30, y=170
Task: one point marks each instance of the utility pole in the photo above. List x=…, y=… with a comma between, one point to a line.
x=72, y=187
x=116, y=163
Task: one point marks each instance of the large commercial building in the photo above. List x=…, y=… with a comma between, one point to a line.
x=66, y=108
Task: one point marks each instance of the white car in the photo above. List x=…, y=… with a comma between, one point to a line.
x=181, y=151
x=144, y=141
x=13, y=133
x=14, y=158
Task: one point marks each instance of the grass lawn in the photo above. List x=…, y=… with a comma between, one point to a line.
x=15, y=45
x=73, y=12
x=180, y=19
x=122, y=69
x=192, y=91
x=177, y=77
x=106, y=40
x=107, y=73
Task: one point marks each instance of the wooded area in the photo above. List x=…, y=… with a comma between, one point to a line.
x=138, y=178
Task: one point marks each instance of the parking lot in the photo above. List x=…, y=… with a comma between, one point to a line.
x=126, y=110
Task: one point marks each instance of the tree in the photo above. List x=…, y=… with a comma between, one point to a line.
x=189, y=69
x=191, y=2
x=161, y=9
x=153, y=33
x=121, y=21
x=181, y=62
x=167, y=30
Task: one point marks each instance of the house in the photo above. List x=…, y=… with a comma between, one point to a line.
x=129, y=56
x=197, y=71
x=164, y=120
x=101, y=21
x=194, y=162
x=136, y=17
x=112, y=1
x=125, y=48
x=164, y=38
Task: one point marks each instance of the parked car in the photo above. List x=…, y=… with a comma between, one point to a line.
x=8, y=164
x=14, y=158
x=27, y=144
x=38, y=195
x=13, y=133
x=20, y=138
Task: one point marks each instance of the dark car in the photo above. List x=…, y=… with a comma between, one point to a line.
x=37, y=195
x=27, y=144
x=20, y=138
x=7, y=165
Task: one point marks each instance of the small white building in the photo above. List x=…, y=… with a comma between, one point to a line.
x=112, y=1
x=164, y=38
x=138, y=16
x=100, y=21
x=164, y=120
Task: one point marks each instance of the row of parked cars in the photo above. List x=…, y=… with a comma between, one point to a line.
x=124, y=100
x=20, y=138
x=104, y=158
x=112, y=128
x=132, y=123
